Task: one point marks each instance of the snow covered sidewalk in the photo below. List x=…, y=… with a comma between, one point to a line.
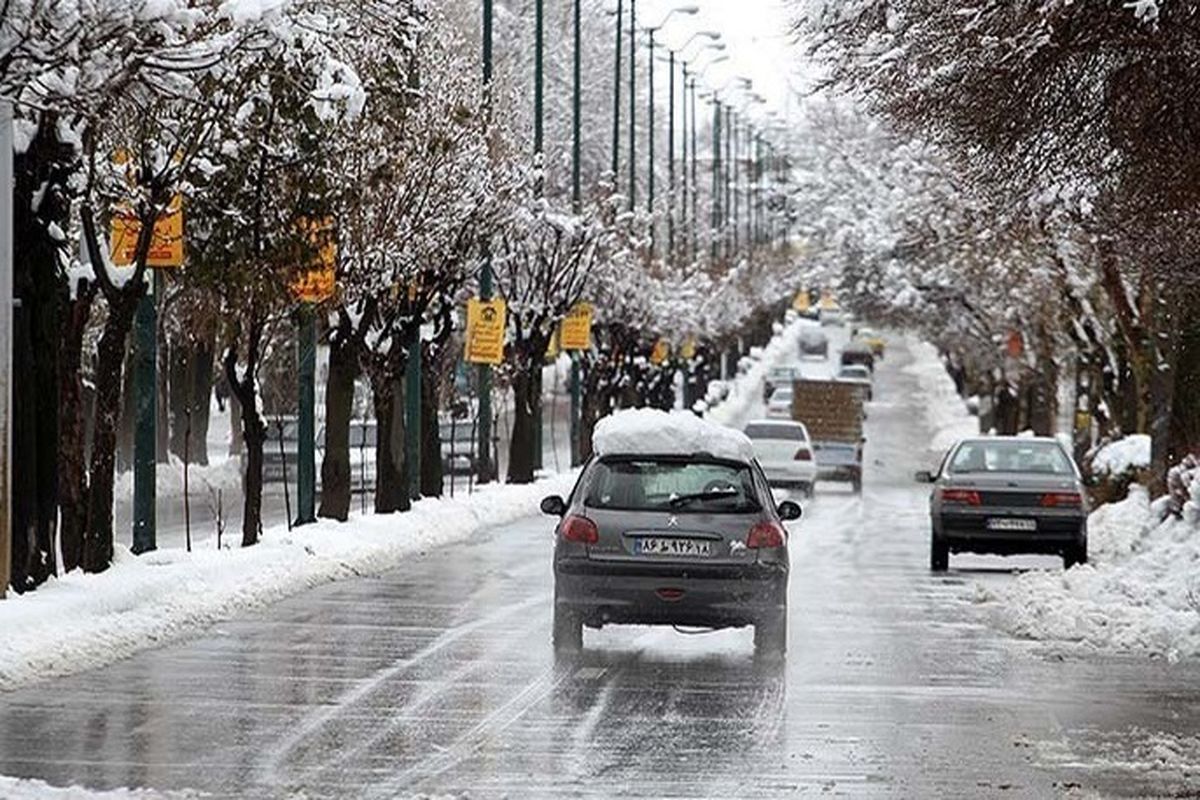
x=83, y=621
x=1140, y=593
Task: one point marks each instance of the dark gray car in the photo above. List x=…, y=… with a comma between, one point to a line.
x=1007, y=495
x=671, y=540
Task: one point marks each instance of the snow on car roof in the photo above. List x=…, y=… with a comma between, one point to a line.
x=645, y=431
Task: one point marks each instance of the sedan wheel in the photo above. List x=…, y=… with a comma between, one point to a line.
x=568, y=630
x=939, y=556
x=770, y=636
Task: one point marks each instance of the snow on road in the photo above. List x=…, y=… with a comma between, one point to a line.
x=15, y=789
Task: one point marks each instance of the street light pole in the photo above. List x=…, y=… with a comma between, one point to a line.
x=671, y=160
x=539, y=149
x=484, y=445
x=716, y=177
x=695, y=215
x=616, y=131
x=632, y=104
x=577, y=205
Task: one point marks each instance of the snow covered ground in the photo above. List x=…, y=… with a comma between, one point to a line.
x=15, y=789
x=1139, y=593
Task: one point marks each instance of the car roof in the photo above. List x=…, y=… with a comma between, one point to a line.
x=780, y=423
x=1015, y=439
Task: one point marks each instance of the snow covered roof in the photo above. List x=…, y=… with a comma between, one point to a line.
x=646, y=431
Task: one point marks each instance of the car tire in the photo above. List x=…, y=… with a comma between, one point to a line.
x=770, y=636
x=856, y=484
x=1076, y=554
x=808, y=490
x=939, y=556
x=568, y=631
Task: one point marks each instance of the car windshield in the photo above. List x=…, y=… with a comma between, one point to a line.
x=661, y=485
x=782, y=433
x=855, y=372
x=1045, y=458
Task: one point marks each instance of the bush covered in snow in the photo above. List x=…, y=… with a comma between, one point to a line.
x=1113, y=467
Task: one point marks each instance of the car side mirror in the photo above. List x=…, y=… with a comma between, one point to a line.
x=924, y=476
x=790, y=510
x=554, y=506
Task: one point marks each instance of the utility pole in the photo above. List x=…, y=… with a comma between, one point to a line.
x=539, y=151
x=577, y=205
x=412, y=417
x=616, y=132
x=145, y=398
x=671, y=159
x=716, y=179
x=695, y=181
x=483, y=456
x=306, y=458
x=6, y=314
x=650, y=135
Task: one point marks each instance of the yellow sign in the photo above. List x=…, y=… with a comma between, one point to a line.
x=688, y=350
x=486, y=321
x=553, y=348
x=802, y=302
x=166, y=243
x=577, y=328
x=827, y=300
x=661, y=352
x=318, y=282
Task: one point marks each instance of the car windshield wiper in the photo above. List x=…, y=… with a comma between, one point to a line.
x=716, y=494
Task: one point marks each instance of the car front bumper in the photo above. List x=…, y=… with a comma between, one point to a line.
x=602, y=593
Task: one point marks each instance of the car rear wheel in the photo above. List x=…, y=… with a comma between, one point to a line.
x=939, y=556
x=1075, y=555
x=770, y=636
x=568, y=630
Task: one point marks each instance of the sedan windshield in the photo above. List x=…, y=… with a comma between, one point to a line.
x=651, y=485
x=1044, y=458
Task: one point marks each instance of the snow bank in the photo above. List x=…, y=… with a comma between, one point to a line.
x=82, y=621
x=646, y=431
x=1141, y=591
x=745, y=392
x=1116, y=458
x=16, y=789
x=946, y=412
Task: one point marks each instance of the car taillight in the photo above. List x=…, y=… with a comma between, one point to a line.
x=968, y=497
x=580, y=530
x=1062, y=500
x=803, y=454
x=766, y=534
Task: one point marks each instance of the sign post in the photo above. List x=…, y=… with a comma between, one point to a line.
x=6, y=310
x=166, y=250
x=575, y=336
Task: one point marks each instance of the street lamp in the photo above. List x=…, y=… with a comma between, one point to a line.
x=651, y=31
x=712, y=36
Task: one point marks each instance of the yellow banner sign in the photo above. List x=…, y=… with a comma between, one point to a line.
x=166, y=243
x=576, y=331
x=486, y=320
x=318, y=282
x=688, y=350
x=661, y=352
x=802, y=302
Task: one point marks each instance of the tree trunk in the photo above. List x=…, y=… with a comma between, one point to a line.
x=1185, y=411
x=72, y=444
x=253, y=429
x=237, y=442
x=98, y=540
x=391, y=480
x=336, y=480
x=526, y=401
x=431, y=429
x=201, y=387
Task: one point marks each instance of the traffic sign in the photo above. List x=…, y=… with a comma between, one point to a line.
x=166, y=244
x=661, y=352
x=486, y=321
x=318, y=282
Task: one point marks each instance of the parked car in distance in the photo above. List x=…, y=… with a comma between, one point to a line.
x=281, y=450
x=785, y=453
x=833, y=317
x=780, y=376
x=858, y=353
x=860, y=376
x=780, y=404
x=814, y=342
x=687, y=537
x=458, y=446
x=363, y=433
x=1007, y=495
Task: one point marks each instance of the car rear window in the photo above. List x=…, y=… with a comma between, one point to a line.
x=672, y=485
x=784, y=433
x=1044, y=458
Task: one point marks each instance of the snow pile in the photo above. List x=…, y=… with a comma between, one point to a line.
x=1141, y=591
x=745, y=392
x=645, y=431
x=1123, y=455
x=945, y=411
x=83, y=621
x=15, y=789
x=1183, y=486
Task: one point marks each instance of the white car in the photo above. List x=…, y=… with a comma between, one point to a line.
x=785, y=453
x=779, y=406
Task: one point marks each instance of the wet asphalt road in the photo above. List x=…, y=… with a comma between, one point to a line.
x=438, y=679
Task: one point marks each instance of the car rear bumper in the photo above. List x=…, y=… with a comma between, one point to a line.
x=602, y=593
x=839, y=472
x=789, y=472
x=970, y=534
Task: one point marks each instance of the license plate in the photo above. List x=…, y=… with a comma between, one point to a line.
x=687, y=548
x=1005, y=524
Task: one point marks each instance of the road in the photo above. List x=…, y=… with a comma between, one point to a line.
x=438, y=679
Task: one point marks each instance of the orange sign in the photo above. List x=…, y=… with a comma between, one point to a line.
x=166, y=243
x=662, y=351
